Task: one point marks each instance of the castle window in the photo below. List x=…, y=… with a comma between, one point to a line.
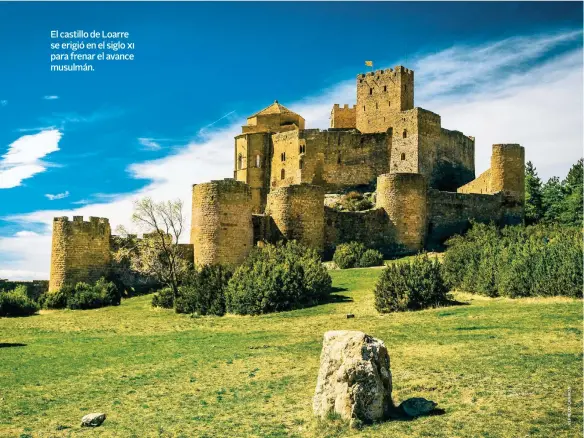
x=283, y=156
x=403, y=156
x=370, y=91
x=405, y=134
x=301, y=164
x=282, y=174
x=385, y=88
x=258, y=161
x=302, y=149
x=389, y=103
x=376, y=105
x=239, y=162
x=363, y=107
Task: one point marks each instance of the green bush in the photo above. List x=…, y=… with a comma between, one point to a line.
x=203, y=292
x=539, y=260
x=371, y=257
x=17, y=303
x=356, y=255
x=411, y=286
x=276, y=278
x=347, y=255
x=101, y=294
x=163, y=298
x=83, y=296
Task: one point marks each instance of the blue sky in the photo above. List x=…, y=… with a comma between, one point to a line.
x=90, y=143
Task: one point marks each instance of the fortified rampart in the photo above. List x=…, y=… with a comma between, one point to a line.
x=80, y=250
x=298, y=213
x=221, y=224
x=423, y=174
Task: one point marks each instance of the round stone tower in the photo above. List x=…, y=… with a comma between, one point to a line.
x=508, y=170
x=80, y=251
x=298, y=212
x=403, y=196
x=221, y=224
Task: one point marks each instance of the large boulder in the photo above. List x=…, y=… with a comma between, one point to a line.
x=354, y=380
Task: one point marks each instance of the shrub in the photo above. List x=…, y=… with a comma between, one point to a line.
x=276, y=278
x=371, y=257
x=163, y=298
x=411, y=286
x=356, y=255
x=347, y=255
x=101, y=294
x=203, y=292
x=57, y=299
x=17, y=303
x=516, y=261
x=83, y=296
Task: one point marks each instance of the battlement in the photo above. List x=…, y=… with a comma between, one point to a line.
x=395, y=70
x=79, y=219
x=345, y=117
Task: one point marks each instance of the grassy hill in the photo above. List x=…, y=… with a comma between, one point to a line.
x=498, y=367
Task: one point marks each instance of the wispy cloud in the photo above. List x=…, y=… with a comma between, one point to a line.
x=3, y=102
x=149, y=143
x=536, y=104
x=23, y=159
x=51, y=197
x=50, y=97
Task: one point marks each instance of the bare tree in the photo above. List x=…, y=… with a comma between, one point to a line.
x=158, y=253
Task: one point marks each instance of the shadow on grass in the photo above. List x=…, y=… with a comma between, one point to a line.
x=10, y=344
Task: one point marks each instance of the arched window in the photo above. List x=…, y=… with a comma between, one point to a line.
x=363, y=107
x=283, y=156
x=258, y=161
x=385, y=88
x=405, y=135
x=370, y=91
x=376, y=105
x=403, y=156
x=282, y=174
x=239, y=162
x=389, y=103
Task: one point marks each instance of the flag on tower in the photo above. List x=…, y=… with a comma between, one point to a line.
x=369, y=63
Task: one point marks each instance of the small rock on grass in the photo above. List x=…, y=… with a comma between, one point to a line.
x=92, y=420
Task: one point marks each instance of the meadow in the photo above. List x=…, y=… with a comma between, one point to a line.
x=497, y=367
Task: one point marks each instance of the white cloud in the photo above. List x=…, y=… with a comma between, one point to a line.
x=57, y=196
x=23, y=159
x=502, y=100
x=149, y=143
x=50, y=97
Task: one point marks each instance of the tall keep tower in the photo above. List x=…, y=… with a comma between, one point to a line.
x=381, y=95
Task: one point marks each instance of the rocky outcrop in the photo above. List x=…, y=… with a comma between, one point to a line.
x=354, y=380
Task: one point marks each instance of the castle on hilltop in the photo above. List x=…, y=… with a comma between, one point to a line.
x=422, y=176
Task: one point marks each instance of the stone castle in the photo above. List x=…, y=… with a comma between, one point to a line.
x=423, y=176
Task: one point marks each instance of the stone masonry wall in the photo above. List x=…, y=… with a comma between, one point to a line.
x=344, y=118
x=450, y=213
x=298, y=213
x=380, y=95
x=370, y=227
x=80, y=251
x=403, y=197
x=221, y=225
x=332, y=158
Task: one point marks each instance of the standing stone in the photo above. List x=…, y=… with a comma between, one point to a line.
x=92, y=420
x=354, y=380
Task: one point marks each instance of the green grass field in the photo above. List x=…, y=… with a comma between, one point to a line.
x=498, y=367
